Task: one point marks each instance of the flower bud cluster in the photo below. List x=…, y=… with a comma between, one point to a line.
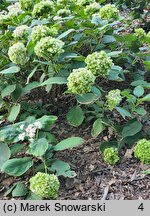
x=108, y=12
x=92, y=8
x=80, y=81
x=140, y=33
x=42, y=31
x=45, y=185
x=142, y=151
x=99, y=63
x=27, y=4
x=49, y=47
x=111, y=156
x=63, y=12
x=17, y=53
x=21, y=32
x=43, y=9
x=113, y=99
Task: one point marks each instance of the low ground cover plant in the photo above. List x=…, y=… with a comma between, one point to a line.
x=88, y=51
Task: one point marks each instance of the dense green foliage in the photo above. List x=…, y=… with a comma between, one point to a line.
x=95, y=55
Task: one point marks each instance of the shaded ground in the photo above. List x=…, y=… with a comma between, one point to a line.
x=96, y=180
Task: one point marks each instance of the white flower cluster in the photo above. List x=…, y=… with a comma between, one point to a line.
x=99, y=63
x=45, y=185
x=21, y=32
x=49, y=47
x=30, y=131
x=113, y=99
x=27, y=4
x=63, y=12
x=17, y=53
x=109, y=12
x=43, y=9
x=92, y=8
x=14, y=10
x=42, y=31
x=80, y=81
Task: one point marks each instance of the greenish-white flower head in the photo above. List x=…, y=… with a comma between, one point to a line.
x=111, y=156
x=140, y=33
x=14, y=10
x=67, y=3
x=92, y=8
x=18, y=53
x=45, y=185
x=80, y=81
x=21, y=32
x=108, y=12
x=148, y=34
x=84, y=2
x=43, y=9
x=99, y=63
x=27, y=4
x=113, y=99
x=4, y=18
x=49, y=47
x=142, y=151
x=63, y=12
x=42, y=31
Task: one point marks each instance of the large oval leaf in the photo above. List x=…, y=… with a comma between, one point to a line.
x=75, y=116
x=131, y=128
x=98, y=127
x=38, y=147
x=10, y=70
x=17, y=166
x=4, y=153
x=69, y=143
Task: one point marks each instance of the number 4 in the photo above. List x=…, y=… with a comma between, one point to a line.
x=141, y=207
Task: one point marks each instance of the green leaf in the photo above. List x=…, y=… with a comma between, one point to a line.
x=141, y=83
x=9, y=190
x=11, y=70
x=141, y=111
x=109, y=144
x=146, y=98
x=8, y=90
x=14, y=112
x=62, y=169
x=47, y=121
x=17, y=166
x=138, y=91
x=55, y=80
x=30, y=87
x=20, y=190
x=114, y=53
x=38, y=147
x=33, y=196
x=131, y=128
x=69, y=143
x=16, y=148
x=75, y=116
x=4, y=153
x=98, y=127
x=124, y=113
x=87, y=98
x=65, y=34
x=108, y=39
